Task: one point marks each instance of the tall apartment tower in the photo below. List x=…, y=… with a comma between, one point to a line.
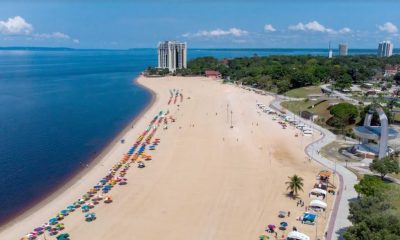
x=330, y=53
x=172, y=55
x=343, y=49
x=385, y=49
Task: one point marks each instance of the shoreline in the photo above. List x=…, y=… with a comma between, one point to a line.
x=81, y=172
x=212, y=178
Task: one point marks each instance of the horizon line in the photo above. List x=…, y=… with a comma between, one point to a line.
x=193, y=48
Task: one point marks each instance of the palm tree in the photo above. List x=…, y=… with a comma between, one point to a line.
x=295, y=184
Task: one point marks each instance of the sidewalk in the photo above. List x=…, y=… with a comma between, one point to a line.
x=338, y=221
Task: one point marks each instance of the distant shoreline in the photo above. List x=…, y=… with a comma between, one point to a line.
x=29, y=48
x=75, y=176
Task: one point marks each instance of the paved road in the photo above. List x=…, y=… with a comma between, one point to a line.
x=338, y=94
x=338, y=221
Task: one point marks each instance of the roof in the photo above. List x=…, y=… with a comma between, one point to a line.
x=374, y=132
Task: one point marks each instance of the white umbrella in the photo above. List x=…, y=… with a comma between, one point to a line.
x=318, y=203
x=318, y=190
x=297, y=235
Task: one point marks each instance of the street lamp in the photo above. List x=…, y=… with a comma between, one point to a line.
x=231, y=119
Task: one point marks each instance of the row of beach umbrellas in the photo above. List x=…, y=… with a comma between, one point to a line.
x=54, y=226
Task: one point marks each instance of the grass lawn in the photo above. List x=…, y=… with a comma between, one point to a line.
x=303, y=92
x=320, y=109
x=394, y=190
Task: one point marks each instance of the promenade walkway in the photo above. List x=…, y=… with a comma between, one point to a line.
x=338, y=221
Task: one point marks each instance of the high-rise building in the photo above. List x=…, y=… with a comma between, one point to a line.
x=172, y=55
x=385, y=49
x=330, y=53
x=343, y=49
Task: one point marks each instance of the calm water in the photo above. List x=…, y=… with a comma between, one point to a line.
x=58, y=109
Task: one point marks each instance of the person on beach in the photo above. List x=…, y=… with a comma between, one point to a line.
x=288, y=213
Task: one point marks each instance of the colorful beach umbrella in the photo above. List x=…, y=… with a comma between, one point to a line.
x=64, y=212
x=53, y=221
x=85, y=208
x=271, y=226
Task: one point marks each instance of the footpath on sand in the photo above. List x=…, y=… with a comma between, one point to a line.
x=338, y=221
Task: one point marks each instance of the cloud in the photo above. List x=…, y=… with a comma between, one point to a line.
x=269, y=28
x=388, y=27
x=315, y=26
x=18, y=26
x=239, y=41
x=54, y=35
x=344, y=30
x=236, y=32
x=15, y=26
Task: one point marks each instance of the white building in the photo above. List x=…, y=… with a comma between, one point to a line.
x=385, y=49
x=172, y=55
x=330, y=53
x=343, y=49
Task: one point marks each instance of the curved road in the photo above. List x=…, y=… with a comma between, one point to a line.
x=338, y=221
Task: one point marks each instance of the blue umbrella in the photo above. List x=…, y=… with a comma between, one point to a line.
x=64, y=212
x=283, y=224
x=53, y=221
x=85, y=208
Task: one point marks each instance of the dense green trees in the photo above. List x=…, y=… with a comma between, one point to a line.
x=385, y=166
x=343, y=114
x=373, y=214
x=281, y=73
x=157, y=71
x=397, y=78
x=369, y=186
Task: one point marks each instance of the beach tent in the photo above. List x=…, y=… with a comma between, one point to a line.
x=308, y=218
x=317, y=191
x=294, y=235
x=324, y=173
x=318, y=203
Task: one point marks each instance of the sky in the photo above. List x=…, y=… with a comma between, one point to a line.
x=123, y=24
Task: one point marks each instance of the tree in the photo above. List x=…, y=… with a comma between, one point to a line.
x=295, y=184
x=343, y=114
x=369, y=186
x=385, y=166
x=397, y=78
x=343, y=81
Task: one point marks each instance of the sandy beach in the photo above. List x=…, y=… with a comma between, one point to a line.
x=206, y=180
